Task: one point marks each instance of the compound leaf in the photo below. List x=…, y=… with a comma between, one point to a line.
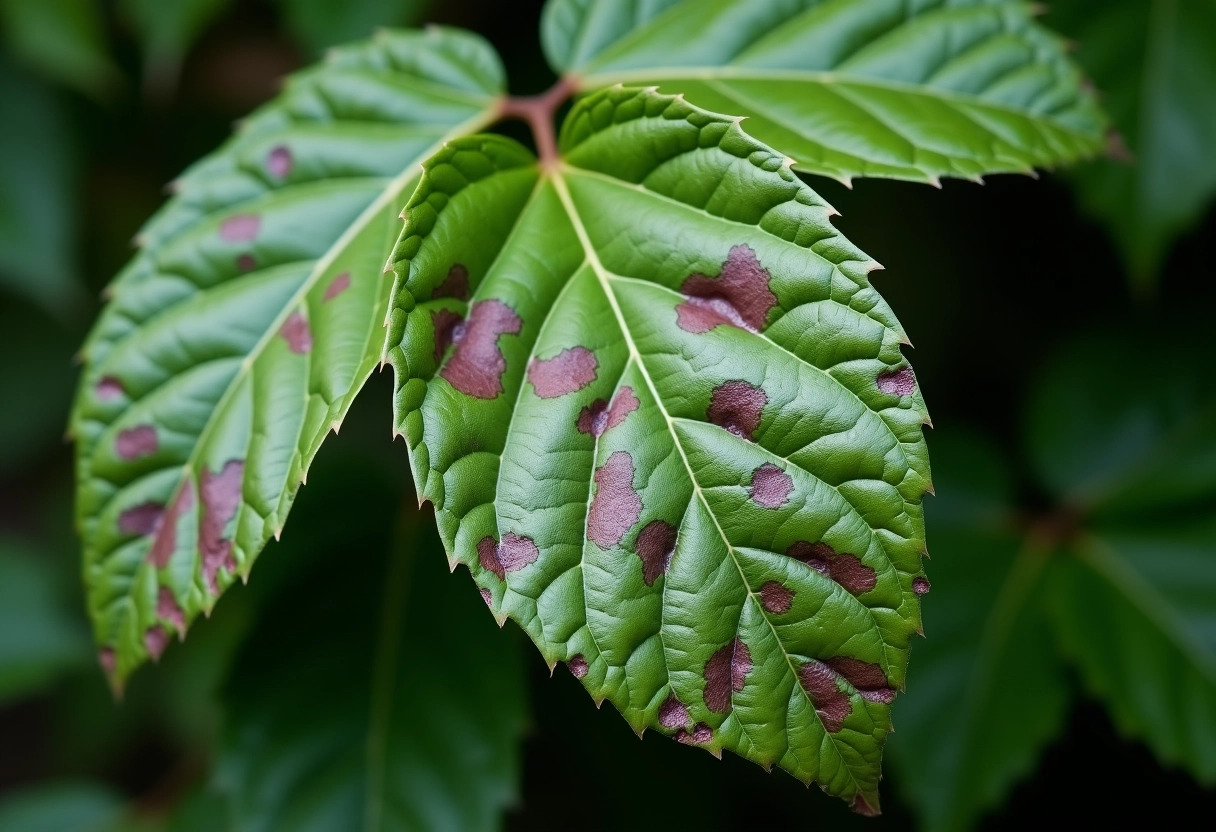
x=666, y=423
x=240, y=333
x=850, y=87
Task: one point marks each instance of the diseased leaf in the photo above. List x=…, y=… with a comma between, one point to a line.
x=238, y=336
x=987, y=690
x=850, y=87
x=665, y=421
x=1154, y=63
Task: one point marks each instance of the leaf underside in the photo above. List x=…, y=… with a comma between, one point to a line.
x=238, y=336
x=881, y=88
x=665, y=421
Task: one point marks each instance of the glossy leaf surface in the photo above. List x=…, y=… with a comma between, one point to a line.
x=665, y=421
x=238, y=336
x=850, y=87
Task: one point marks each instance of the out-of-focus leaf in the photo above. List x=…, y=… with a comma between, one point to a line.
x=849, y=88
x=986, y=692
x=39, y=640
x=319, y=24
x=37, y=193
x=62, y=807
x=63, y=39
x=1154, y=63
x=167, y=28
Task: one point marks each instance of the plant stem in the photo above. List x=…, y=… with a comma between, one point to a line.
x=538, y=111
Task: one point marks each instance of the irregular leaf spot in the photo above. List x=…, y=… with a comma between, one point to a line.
x=655, y=545
x=726, y=671
x=739, y=296
x=444, y=322
x=220, y=496
x=279, y=162
x=569, y=371
x=515, y=552
x=477, y=364
x=487, y=556
x=337, y=286
x=241, y=228
x=455, y=285
x=776, y=598
x=156, y=639
x=487, y=596
x=701, y=734
x=846, y=570
x=296, y=333
x=897, y=382
x=136, y=442
x=771, y=487
x=597, y=418
x=616, y=506
x=862, y=807
x=246, y=262
x=107, y=660
x=109, y=388
x=673, y=713
x=169, y=610
x=165, y=542
x=868, y=678
x=141, y=519
x=921, y=585
x=831, y=703
x=737, y=406
x=578, y=666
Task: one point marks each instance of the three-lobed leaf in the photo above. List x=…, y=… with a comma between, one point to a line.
x=850, y=87
x=665, y=421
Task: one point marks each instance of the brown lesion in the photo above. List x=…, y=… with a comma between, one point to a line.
x=673, y=713
x=831, y=703
x=726, y=674
x=337, y=286
x=770, y=486
x=842, y=567
x=296, y=332
x=455, y=284
x=655, y=545
x=616, y=505
x=578, y=666
x=901, y=382
x=569, y=371
x=477, y=365
x=219, y=496
x=866, y=677
x=737, y=406
x=136, y=443
x=511, y=554
x=776, y=598
x=739, y=296
x=599, y=417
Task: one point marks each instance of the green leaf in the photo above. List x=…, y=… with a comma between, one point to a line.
x=319, y=24
x=239, y=335
x=987, y=690
x=63, y=39
x=393, y=704
x=850, y=87
x=654, y=399
x=1154, y=63
x=62, y=807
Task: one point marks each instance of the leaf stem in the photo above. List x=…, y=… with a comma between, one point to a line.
x=538, y=111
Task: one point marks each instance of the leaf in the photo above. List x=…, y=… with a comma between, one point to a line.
x=240, y=333
x=850, y=87
x=62, y=807
x=1155, y=67
x=654, y=398
x=63, y=39
x=320, y=24
x=393, y=704
x=987, y=689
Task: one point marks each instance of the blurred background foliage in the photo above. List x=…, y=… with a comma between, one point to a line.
x=1069, y=669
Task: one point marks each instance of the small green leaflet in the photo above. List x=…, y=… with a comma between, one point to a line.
x=850, y=88
x=666, y=423
x=238, y=336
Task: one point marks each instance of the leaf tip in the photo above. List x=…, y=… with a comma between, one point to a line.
x=865, y=807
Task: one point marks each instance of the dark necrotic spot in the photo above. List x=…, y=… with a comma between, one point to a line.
x=246, y=262
x=726, y=671
x=771, y=487
x=279, y=161
x=156, y=639
x=455, y=285
x=165, y=541
x=593, y=418
x=616, y=506
x=487, y=596
x=673, y=713
x=578, y=666
x=845, y=569
x=477, y=364
x=921, y=585
x=776, y=598
x=109, y=388
x=487, y=556
x=136, y=442
x=737, y=406
x=220, y=494
x=655, y=545
x=240, y=228
x=597, y=418
x=141, y=519
x=831, y=703
x=701, y=734
x=296, y=333
x=868, y=678
x=569, y=371
x=107, y=660
x=167, y=609
x=444, y=322
x=739, y=296
x=337, y=286
x=899, y=382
